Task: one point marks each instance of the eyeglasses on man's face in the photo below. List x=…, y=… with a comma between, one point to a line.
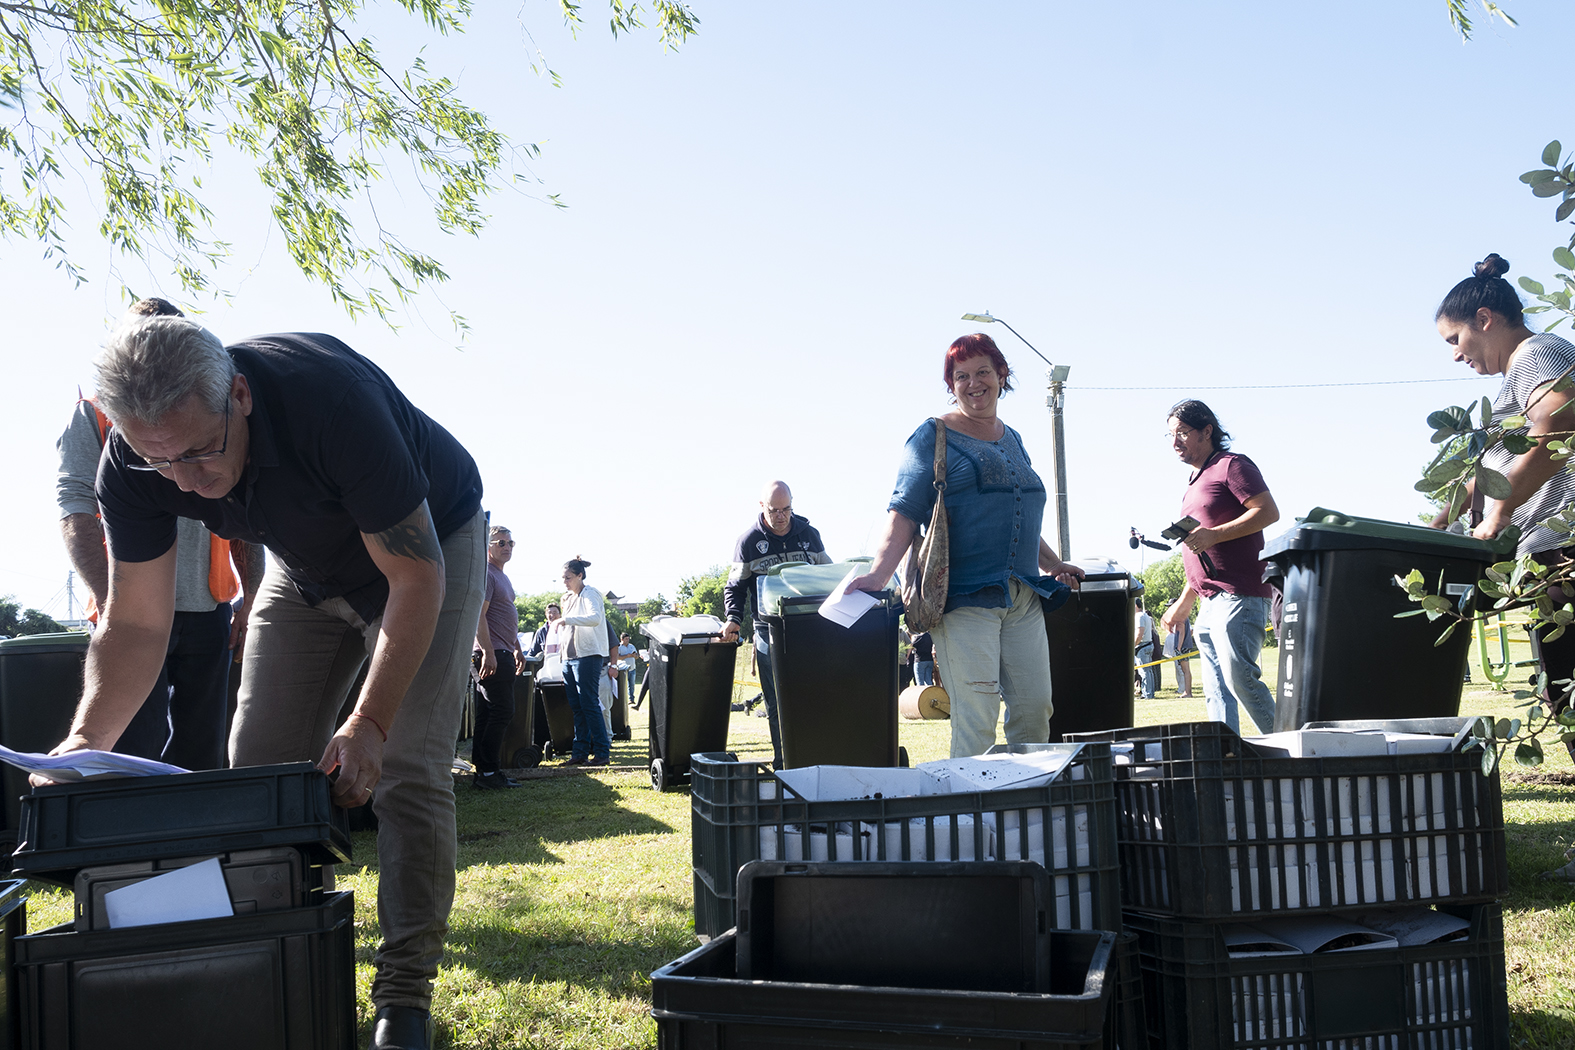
x=780, y=512
x=200, y=457
x=503, y=543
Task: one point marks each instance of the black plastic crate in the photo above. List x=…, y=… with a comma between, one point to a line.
x=980, y=927
x=1448, y=996
x=68, y=827
x=743, y=812
x=282, y=980
x=1126, y=1027
x=698, y=1002
x=1211, y=827
x=257, y=880
x=13, y=924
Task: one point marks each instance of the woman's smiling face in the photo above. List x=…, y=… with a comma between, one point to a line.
x=977, y=387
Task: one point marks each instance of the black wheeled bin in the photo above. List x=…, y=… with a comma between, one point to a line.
x=520, y=750
x=837, y=686
x=1343, y=654
x=1090, y=637
x=553, y=728
x=691, y=680
x=40, y=684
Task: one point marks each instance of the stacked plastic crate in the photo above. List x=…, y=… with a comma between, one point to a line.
x=277, y=973
x=903, y=955
x=1222, y=840
x=742, y=813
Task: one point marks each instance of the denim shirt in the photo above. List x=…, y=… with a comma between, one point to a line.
x=995, y=504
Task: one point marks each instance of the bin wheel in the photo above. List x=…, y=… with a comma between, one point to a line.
x=527, y=757
x=902, y=757
x=658, y=775
x=548, y=751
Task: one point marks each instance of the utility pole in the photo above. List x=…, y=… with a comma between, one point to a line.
x=1063, y=533
x=71, y=594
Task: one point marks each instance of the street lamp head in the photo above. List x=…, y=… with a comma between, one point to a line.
x=1058, y=373
x=983, y=318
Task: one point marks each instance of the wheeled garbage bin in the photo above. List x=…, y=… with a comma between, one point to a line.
x=40, y=684
x=553, y=731
x=520, y=750
x=837, y=686
x=1343, y=655
x=690, y=671
x=1090, y=637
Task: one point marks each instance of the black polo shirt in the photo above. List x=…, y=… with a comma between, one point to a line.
x=336, y=450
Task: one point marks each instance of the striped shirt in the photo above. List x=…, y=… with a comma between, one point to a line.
x=1536, y=363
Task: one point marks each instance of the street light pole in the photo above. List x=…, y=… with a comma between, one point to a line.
x=1057, y=376
x=1057, y=379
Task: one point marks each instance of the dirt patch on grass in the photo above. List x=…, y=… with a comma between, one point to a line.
x=1557, y=778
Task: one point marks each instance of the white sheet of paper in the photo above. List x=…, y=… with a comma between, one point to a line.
x=196, y=891
x=85, y=765
x=845, y=607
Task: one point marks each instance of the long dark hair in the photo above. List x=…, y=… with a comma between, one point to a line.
x=1486, y=287
x=1197, y=415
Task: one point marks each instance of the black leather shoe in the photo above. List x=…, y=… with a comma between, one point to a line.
x=494, y=781
x=574, y=762
x=402, y=1028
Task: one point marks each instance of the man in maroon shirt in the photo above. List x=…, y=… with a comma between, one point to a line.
x=1228, y=497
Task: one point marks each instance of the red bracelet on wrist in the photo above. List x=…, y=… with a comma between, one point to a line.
x=369, y=718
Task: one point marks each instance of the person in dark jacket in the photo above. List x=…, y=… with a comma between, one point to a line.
x=777, y=536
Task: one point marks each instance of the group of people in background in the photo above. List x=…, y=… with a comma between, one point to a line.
x=575, y=650
x=1149, y=653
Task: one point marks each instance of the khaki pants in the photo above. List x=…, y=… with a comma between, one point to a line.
x=299, y=666
x=986, y=656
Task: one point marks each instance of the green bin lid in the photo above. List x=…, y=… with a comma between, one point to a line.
x=1329, y=530
x=64, y=641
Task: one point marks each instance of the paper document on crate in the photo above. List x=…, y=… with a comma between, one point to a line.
x=187, y=894
x=86, y=765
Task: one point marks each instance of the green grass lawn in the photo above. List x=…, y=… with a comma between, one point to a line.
x=575, y=887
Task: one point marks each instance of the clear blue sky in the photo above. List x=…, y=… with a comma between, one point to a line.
x=771, y=235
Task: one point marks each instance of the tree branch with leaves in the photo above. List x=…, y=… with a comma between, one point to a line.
x=137, y=94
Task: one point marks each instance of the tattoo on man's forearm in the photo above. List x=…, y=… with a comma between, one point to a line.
x=413, y=538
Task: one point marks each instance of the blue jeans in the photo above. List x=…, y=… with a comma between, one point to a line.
x=768, y=686
x=924, y=672
x=1229, y=633
x=1150, y=674
x=582, y=682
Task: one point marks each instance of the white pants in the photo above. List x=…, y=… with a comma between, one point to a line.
x=986, y=656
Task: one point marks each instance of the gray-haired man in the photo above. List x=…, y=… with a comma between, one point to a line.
x=372, y=511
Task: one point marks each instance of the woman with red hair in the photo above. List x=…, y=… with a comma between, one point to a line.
x=990, y=644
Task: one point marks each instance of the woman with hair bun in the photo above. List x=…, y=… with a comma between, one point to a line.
x=584, y=663
x=1481, y=320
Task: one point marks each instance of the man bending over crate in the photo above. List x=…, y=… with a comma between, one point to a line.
x=372, y=511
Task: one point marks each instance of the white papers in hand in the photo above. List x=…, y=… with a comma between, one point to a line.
x=183, y=895
x=85, y=765
x=843, y=606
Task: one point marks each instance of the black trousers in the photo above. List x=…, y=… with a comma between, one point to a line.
x=183, y=720
x=1557, y=659
x=494, y=711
